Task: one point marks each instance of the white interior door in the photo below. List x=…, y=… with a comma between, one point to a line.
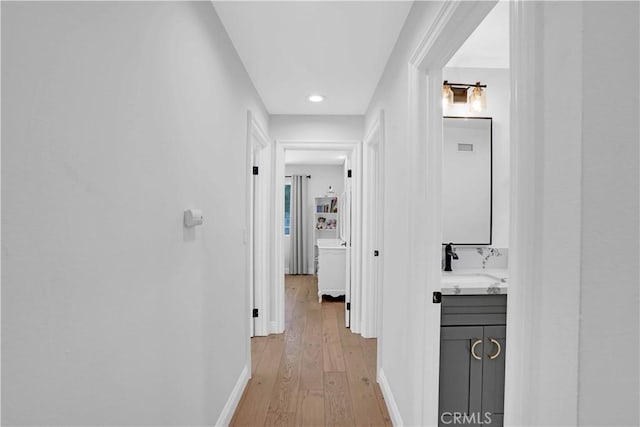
x=372, y=254
x=260, y=236
x=376, y=233
x=256, y=233
x=372, y=232
x=252, y=242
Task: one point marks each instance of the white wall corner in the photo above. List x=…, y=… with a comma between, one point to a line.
x=234, y=398
x=392, y=406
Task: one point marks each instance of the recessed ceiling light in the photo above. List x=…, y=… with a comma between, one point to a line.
x=316, y=98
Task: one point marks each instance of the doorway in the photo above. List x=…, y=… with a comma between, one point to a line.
x=314, y=247
x=344, y=227
x=458, y=21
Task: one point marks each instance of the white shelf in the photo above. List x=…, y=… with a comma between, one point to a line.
x=331, y=204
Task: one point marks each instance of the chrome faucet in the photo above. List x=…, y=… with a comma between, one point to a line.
x=448, y=254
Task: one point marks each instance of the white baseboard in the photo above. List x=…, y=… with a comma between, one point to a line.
x=273, y=328
x=392, y=406
x=234, y=398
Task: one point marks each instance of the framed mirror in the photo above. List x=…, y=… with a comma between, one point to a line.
x=467, y=181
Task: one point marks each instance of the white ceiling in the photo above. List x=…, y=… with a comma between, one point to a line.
x=313, y=157
x=292, y=49
x=488, y=45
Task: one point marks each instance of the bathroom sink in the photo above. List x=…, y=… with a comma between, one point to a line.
x=473, y=283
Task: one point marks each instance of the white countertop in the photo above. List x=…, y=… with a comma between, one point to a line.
x=475, y=282
x=330, y=244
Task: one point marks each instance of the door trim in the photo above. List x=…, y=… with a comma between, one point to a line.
x=277, y=278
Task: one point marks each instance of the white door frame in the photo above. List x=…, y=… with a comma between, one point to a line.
x=537, y=349
x=454, y=22
x=257, y=237
x=277, y=279
x=372, y=226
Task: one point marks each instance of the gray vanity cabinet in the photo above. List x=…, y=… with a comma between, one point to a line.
x=472, y=349
x=460, y=373
x=493, y=375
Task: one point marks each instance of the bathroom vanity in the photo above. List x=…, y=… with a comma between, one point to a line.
x=473, y=346
x=473, y=300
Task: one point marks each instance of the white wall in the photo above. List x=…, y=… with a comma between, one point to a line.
x=498, y=87
x=117, y=117
x=397, y=349
x=322, y=176
x=315, y=128
x=610, y=234
x=579, y=327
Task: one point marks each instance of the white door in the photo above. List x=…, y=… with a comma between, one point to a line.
x=372, y=235
x=346, y=209
x=376, y=235
x=256, y=235
x=252, y=242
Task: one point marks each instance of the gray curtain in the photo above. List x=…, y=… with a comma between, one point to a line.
x=299, y=235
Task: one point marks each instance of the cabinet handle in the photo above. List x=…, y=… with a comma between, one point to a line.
x=473, y=349
x=498, y=347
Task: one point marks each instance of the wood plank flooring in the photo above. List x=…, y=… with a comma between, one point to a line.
x=315, y=374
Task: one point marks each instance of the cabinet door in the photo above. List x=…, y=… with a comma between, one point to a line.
x=493, y=375
x=460, y=373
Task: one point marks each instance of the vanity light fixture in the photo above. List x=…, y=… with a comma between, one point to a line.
x=477, y=99
x=316, y=98
x=458, y=93
x=447, y=96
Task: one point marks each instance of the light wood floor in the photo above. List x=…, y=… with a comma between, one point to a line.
x=317, y=373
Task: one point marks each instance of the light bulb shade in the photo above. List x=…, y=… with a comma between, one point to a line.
x=477, y=100
x=447, y=97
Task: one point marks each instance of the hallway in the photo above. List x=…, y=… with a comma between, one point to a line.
x=124, y=121
x=316, y=373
